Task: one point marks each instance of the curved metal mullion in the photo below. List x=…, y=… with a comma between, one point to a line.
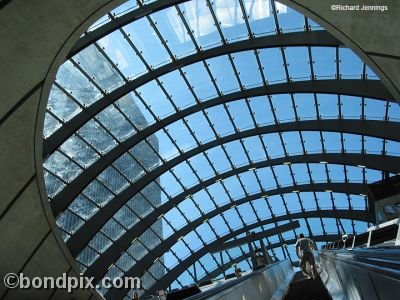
x=243, y=186
x=112, y=253
x=225, y=152
x=202, y=213
x=310, y=177
x=338, y=222
x=238, y=259
x=337, y=60
x=167, y=279
x=311, y=62
x=260, y=68
x=85, y=74
x=125, y=195
x=116, y=23
x=246, y=19
x=216, y=22
x=307, y=38
x=364, y=71
x=110, y=61
x=154, y=215
x=363, y=215
x=351, y=209
x=226, y=192
x=274, y=13
x=226, y=266
x=198, y=254
x=117, y=151
x=108, y=131
x=263, y=191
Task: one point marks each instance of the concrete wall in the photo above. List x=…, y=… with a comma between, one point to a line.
x=35, y=37
x=371, y=34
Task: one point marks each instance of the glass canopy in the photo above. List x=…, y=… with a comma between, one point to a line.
x=193, y=123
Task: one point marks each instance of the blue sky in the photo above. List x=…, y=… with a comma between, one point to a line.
x=156, y=40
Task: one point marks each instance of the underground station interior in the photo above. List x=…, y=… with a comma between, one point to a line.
x=180, y=149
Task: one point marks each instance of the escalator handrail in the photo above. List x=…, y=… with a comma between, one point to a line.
x=385, y=261
x=225, y=286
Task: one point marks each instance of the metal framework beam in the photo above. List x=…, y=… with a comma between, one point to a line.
x=62, y=200
x=226, y=266
x=255, y=236
x=166, y=280
x=215, y=273
x=383, y=129
x=119, y=22
x=78, y=241
x=304, y=38
x=100, y=266
x=353, y=87
x=91, y=227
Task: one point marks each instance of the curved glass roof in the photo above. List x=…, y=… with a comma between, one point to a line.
x=174, y=127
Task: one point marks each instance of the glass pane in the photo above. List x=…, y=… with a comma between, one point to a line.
x=324, y=62
x=61, y=104
x=298, y=63
x=247, y=68
x=177, y=89
x=93, y=62
x=201, y=23
x=76, y=84
x=350, y=65
x=173, y=31
x=223, y=74
x=230, y=18
x=143, y=36
x=200, y=80
x=289, y=20
x=260, y=16
x=272, y=65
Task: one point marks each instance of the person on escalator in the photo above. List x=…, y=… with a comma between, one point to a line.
x=135, y=296
x=304, y=247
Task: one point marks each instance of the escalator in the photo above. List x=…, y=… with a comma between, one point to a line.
x=302, y=288
x=269, y=282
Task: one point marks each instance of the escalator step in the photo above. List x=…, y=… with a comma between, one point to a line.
x=302, y=288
